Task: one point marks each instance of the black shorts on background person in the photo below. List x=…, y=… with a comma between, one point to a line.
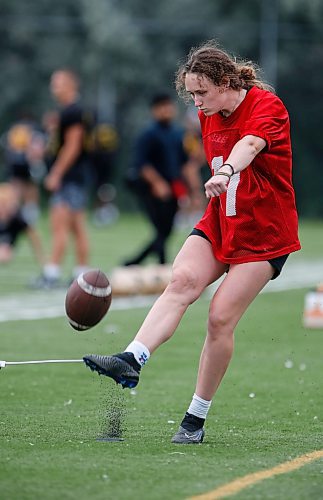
x=13, y=224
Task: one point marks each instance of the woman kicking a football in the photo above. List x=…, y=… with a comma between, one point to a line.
x=247, y=231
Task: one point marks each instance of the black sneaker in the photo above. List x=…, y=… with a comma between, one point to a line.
x=122, y=368
x=183, y=436
x=42, y=282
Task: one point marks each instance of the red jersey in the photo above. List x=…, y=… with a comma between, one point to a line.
x=256, y=218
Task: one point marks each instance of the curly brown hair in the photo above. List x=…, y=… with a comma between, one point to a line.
x=218, y=66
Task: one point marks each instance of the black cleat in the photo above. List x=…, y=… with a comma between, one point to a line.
x=184, y=436
x=116, y=367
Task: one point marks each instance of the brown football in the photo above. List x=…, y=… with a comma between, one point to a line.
x=88, y=299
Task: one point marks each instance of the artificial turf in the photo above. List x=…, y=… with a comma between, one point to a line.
x=267, y=411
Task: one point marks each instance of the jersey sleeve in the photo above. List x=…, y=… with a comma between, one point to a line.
x=267, y=120
x=72, y=116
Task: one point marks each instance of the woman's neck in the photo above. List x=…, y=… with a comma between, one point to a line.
x=234, y=101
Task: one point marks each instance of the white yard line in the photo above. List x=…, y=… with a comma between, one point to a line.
x=38, y=305
x=50, y=304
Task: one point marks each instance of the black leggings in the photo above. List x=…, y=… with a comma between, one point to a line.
x=161, y=215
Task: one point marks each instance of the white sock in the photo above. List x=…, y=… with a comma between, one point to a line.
x=52, y=271
x=199, y=407
x=140, y=352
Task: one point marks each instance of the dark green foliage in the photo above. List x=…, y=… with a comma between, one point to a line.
x=127, y=50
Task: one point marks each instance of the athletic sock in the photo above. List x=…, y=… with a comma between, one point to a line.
x=199, y=407
x=192, y=423
x=196, y=414
x=52, y=271
x=140, y=352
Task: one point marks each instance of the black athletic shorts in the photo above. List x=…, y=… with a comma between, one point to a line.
x=277, y=263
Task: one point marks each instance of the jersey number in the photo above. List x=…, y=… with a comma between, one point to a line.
x=230, y=208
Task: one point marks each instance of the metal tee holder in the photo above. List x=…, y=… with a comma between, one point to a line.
x=4, y=364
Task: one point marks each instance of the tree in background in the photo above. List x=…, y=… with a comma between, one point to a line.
x=126, y=50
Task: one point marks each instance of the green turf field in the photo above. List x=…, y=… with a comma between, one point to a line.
x=51, y=416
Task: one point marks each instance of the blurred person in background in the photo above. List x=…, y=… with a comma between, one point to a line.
x=50, y=124
x=67, y=178
x=13, y=225
x=163, y=176
x=101, y=143
x=248, y=230
x=24, y=146
x=194, y=207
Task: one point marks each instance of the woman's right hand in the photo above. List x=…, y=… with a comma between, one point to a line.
x=216, y=185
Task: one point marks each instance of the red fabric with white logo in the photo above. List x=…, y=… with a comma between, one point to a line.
x=256, y=219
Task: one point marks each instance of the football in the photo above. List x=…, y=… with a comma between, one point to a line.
x=88, y=299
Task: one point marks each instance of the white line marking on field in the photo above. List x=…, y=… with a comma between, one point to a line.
x=40, y=305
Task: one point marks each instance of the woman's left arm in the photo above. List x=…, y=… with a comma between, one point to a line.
x=242, y=154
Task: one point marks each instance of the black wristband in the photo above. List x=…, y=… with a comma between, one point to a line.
x=228, y=165
x=223, y=173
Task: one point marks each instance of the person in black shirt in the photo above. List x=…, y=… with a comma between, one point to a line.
x=13, y=225
x=67, y=179
x=162, y=175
